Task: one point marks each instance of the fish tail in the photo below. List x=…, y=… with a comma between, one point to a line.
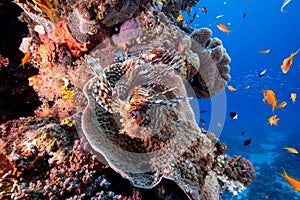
x=284, y=174
x=297, y=52
x=51, y=11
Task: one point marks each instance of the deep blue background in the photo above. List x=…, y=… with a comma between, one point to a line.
x=263, y=27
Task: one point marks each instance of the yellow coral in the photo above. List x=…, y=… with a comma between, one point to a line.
x=67, y=122
x=68, y=92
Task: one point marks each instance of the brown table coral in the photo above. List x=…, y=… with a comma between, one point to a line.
x=145, y=129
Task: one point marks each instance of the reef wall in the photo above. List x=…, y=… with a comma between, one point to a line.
x=115, y=79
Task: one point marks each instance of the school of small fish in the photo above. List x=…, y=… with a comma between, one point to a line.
x=269, y=95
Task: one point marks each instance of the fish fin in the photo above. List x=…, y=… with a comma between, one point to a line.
x=273, y=108
x=284, y=174
x=276, y=122
x=296, y=190
x=296, y=52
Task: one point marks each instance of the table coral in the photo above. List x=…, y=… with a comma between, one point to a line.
x=156, y=129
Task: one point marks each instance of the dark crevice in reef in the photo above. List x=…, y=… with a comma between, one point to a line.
x=17, y=98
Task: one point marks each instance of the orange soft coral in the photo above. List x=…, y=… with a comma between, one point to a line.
x=63, y=36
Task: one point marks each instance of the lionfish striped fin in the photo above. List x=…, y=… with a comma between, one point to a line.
x=101, y=89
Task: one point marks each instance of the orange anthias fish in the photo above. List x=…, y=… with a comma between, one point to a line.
x=286, y=65
x=265, y=51
x=46, y=6
x=273, y=120
x=230, y=88
x=282, y=104
x=291, y=150
x=293, y=97
x=223, y=28
x=180, y=17
x=291, y=181
x=270, y=98
x=25, y=59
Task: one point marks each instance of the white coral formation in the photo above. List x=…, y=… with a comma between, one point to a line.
x=235, y=187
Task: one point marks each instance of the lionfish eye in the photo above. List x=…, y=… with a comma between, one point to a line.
x=134, y=114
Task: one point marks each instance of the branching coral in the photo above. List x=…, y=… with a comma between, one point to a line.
x=235, y=173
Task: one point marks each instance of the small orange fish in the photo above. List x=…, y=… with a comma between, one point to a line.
x=220, y=125
x=46, y=6
x=270, y=98
x=273, y=120
x=180, y=17
x=293, y=97
x=282, y=104
x=25, y=59
x=230, y=88
x=291, y=150
x=247, y=87
x=286, y=65
x=265, y=51
x=223, y=28
x=291, y=181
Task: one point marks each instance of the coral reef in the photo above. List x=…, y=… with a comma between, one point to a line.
x=156, y=127
x=235, y=173
x=212, y=74
x=44, y=158
x=128, y=100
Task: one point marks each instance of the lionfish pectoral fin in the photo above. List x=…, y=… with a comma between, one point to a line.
x=102, y=92
x=95, y=65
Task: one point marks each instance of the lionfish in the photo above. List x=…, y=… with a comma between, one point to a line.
x=138, y=91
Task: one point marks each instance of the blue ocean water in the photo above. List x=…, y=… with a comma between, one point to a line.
x=257, y=25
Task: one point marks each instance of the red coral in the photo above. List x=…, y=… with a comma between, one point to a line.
x=63, y=36
x=4, y=61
